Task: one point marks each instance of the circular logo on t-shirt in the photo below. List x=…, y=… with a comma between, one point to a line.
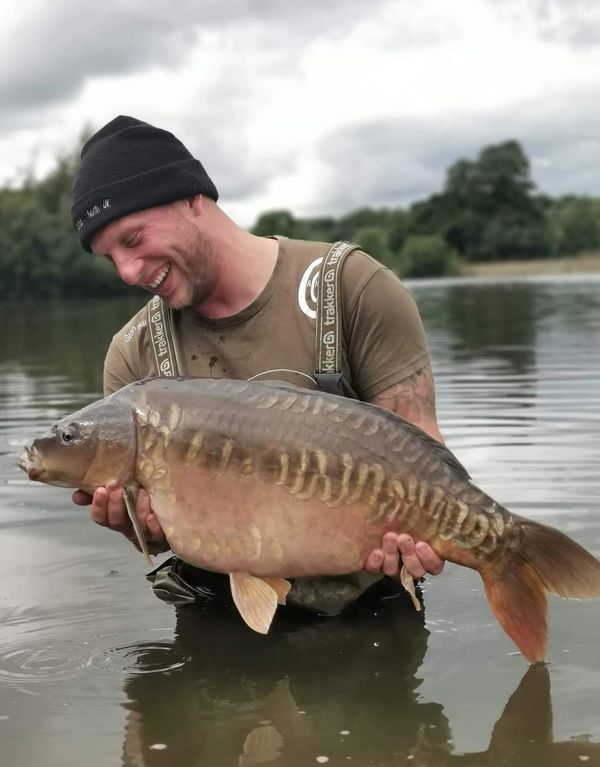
x=308, y=289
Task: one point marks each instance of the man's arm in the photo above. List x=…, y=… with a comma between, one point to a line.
x=414, y=399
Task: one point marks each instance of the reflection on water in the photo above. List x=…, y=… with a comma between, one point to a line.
x=285, y=702
x=94, y=670
x=310, y=688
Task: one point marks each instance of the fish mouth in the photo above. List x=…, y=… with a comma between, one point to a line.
x=31, y=464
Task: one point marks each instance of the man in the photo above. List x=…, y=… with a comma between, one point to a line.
x=243, y=305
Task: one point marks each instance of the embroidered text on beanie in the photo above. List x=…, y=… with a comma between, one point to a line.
x=129, y=165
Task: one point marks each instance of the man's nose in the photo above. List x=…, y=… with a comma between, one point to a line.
x=129, y=269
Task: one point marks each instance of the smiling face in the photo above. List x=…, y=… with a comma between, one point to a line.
x=164, y=251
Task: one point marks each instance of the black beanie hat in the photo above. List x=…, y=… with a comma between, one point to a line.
x=129, y=165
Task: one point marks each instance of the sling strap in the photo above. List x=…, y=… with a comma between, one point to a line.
x=162, y=332
x=328, y=324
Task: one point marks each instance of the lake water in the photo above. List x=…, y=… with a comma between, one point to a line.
x=95, y=670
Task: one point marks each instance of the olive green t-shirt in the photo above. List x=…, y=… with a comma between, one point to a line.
x=274, y=337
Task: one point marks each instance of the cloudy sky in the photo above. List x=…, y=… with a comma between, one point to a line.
x=318, y=106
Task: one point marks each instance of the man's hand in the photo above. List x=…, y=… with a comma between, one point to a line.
x=108, y=510
x=397, y=550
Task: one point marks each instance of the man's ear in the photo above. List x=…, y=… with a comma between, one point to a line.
x=195, y=203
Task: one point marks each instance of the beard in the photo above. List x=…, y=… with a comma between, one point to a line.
x=202, y=271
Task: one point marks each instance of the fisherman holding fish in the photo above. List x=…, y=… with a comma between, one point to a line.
x=229, y=304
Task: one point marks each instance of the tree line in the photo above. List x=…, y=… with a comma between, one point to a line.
x=487, y=210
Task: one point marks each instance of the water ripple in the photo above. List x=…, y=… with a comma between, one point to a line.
x=41, y=661
x=143, y=658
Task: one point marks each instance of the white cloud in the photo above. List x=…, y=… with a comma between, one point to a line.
x=316, y=106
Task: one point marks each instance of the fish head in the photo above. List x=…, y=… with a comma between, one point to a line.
x=87, y=449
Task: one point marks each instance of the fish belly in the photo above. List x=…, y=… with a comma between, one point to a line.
x=226, y=525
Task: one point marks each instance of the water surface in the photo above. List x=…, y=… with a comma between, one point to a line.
x=95, y=670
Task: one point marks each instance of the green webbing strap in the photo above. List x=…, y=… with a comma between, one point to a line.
x=162, y=332
x=328, y=324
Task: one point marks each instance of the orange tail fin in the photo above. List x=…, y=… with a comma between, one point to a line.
x=547, y=560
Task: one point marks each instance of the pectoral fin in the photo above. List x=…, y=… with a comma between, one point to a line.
x=256, y=599
x=130, y=497
x=407, y=581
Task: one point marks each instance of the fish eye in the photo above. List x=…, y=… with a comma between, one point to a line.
x=68, y=434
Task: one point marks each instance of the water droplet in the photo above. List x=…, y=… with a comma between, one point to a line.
x=583, y=758
x=375, y=644
x=344, y=732
x=158, y=746
x=322, y=759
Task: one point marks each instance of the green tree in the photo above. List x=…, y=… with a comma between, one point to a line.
x=279, y=222
x=374, y=240
x=429, y=255
x=575, y=224
x=322, y=229
x=487, y=209
x=41, y=255
x=352, y=223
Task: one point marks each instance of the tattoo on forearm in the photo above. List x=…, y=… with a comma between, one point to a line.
x=413, y=398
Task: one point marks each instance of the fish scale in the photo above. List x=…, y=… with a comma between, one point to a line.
x=268, y=482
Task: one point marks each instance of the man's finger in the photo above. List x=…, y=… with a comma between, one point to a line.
x=81, y=498
x=432, y=563
x=155, y=530
x=150, y=523
x=148, y=518
x=374, y=561
x=410, y=559
x=142, y=507
x=391, y=560
x=118, y=519
x=98, y=511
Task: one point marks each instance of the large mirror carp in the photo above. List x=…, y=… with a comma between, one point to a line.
x=267, y=482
